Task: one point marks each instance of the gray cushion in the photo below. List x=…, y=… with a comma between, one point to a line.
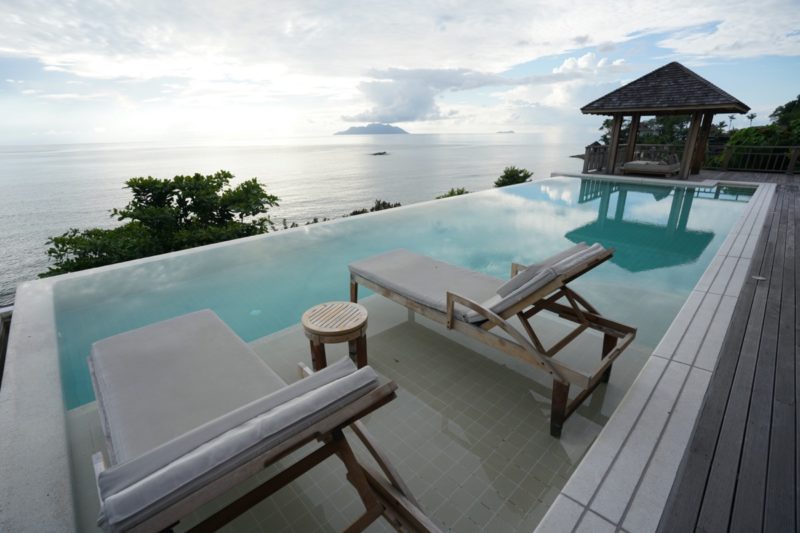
x=160, y=381
x=132, y=491
x=541, y=279
x=526, y=275
x=570, y=263
x=426, y=280
x=115, y=479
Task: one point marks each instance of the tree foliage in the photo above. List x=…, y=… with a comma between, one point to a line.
x=453, y=192
x=784, y=115
x=784, y=130
x=667, y=129
x=771, y=135
x=167, y=215
x=380, y=205
x=513, y=175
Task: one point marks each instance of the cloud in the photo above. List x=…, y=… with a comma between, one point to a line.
x=253, y=41
x=74, y=96
x=404, y=95
x=397, y=61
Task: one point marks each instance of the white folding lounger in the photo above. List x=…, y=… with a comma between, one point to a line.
x=189, y=411
x=480, y=307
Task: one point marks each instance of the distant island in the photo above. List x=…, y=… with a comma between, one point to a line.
x=506, y=131
x=371, y=129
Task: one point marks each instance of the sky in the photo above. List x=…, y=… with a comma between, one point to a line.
x=188, y=71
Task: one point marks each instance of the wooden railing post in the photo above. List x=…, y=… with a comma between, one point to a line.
x=793, y=160
x=726, y=157
x=613, y=146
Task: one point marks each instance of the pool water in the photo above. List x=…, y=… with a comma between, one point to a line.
x=664, y=238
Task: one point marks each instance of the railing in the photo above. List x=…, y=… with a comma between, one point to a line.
x=595, y=158
x=784, y=159
x=5, y=329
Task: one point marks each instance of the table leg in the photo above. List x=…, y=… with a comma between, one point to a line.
x=318, y=358
x=361, y=351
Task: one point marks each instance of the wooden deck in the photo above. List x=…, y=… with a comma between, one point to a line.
x=741, y=469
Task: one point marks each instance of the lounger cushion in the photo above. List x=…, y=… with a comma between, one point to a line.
x=562, y=264
x=165, y=379
x=139, y=488
x=541, y=279
x=526, y=275
x=568, y=264
x=426, y=280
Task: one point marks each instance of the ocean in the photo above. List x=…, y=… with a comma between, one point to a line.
x=47, y=189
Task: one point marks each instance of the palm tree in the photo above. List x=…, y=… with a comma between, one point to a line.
x=731, y=118
x=750, y=117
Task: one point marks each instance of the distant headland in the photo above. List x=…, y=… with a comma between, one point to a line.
x=506, y=131
x=371, y=129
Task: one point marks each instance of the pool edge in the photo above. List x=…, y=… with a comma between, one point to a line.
x=34, y=455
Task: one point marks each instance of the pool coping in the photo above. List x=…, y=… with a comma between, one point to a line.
x=34, y=455
x=624, y=480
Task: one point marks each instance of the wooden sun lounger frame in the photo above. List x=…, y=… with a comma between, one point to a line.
x=381, y=496
x=616, y=336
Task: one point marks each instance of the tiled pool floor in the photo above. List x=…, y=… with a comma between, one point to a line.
x=469, y=436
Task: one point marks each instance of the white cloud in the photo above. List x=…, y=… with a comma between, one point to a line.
x=205, y=39
x=389, y=61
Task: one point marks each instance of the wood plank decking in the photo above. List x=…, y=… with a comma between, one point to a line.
x=741, y=469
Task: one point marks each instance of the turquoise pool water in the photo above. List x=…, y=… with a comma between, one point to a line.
x=665, y=237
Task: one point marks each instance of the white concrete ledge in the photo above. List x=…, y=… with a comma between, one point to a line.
x=624, y=480
x=35, y=481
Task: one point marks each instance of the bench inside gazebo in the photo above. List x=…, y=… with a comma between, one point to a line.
x=670, y=90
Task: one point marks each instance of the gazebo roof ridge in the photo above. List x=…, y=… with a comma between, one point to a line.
x=671, y=89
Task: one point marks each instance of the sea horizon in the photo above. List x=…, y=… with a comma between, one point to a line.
x=50, y=188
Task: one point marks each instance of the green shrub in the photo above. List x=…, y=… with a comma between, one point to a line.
x=513, y=175
x=453, y=192
x=166, y=215
x=380, y=205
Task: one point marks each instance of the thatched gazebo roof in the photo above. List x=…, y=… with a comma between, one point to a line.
x=670, y=90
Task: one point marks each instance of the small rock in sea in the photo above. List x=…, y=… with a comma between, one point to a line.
x=379, y=153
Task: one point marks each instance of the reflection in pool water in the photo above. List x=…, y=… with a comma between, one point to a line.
x=263, y=284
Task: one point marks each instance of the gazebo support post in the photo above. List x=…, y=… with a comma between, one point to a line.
x=702, y=143
x=633, y=131
x=616, y=127
x=689, y=148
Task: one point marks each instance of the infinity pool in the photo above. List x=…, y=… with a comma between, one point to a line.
x=664, y=237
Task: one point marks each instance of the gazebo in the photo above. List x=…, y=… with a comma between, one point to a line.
x=670, y=90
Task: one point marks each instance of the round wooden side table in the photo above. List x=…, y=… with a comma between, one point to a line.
x=333, y=322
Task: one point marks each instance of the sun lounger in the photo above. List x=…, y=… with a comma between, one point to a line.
x=190, y=411
x=483, y=307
